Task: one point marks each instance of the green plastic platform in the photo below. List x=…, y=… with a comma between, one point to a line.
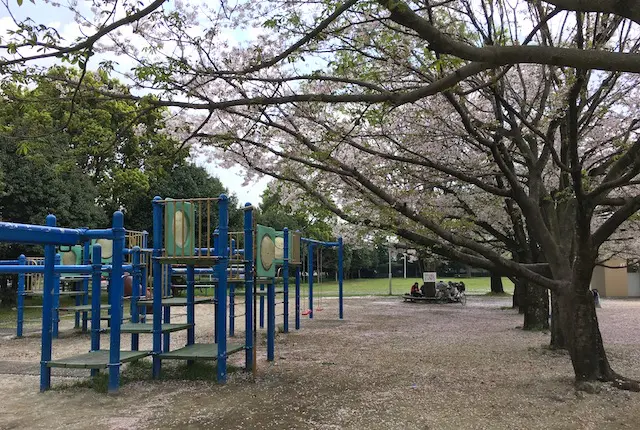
x=141, y=328
x=196, y=261
x=177, y=301
x=200, y=351
x=96, y=359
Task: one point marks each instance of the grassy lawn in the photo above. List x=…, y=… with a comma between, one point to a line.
x=8, y=316
x=380, y=286
x=352, y=287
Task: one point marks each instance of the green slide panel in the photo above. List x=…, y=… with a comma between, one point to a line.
x=107, y=249
x=179, y=229
x=71, y=255
x=265, y=252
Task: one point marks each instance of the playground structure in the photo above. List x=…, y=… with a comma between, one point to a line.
x=299, y=268
x=32, y=284
x=185, y=242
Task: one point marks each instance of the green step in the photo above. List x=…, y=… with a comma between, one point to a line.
x=200, y=351
x=96, y=359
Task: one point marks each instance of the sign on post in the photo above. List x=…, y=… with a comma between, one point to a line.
x=429, y=277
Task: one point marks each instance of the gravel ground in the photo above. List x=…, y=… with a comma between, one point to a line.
x=388, y=365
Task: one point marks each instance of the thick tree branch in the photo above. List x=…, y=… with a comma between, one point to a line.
x=625, y=8
x=439, y=42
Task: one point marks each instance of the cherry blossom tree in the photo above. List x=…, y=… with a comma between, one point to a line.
x=501, y=134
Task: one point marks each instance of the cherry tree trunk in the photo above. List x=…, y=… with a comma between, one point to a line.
x=582, y=335
x=496, y=284
x=557, y=337
x=519, y=296
x=536, y=310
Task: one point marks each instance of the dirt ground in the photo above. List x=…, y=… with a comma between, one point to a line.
x=388, y=365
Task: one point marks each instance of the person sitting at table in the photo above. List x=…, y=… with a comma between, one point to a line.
x=415, y=290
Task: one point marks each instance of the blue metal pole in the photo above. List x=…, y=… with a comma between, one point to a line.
x=248, y=288
x=310, y=275
x=221, y=305
x=261, y=306
x=135, y=295
x=96, y=290
x=56, y=299
x=86, y=260
x=190, y=304
x=157, y=285
x=340, y=278
x=232, y=309
x=216, y=251
x=271, y=320
x=285, y=276
x=298, y=298
x=22, y=260
x=117, y=294
x=47, y=302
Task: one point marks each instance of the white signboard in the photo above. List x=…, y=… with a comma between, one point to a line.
x=429, y=277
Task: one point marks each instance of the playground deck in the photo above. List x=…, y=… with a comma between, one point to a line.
x=200, y=351
x=96, y=359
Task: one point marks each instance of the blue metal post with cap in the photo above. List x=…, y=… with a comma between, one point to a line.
x=340, y=278
x=86, y=260
x=285, y=276
x=47, y=302
x=221, y=289
x=56, y=299
x=96, y=289
x=248, y=287
x=117, y=294
x=157, y=285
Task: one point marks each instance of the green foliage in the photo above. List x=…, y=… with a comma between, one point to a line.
x=80, y=157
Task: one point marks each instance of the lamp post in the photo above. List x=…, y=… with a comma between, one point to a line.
x=390, y=290
x=404, y=258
